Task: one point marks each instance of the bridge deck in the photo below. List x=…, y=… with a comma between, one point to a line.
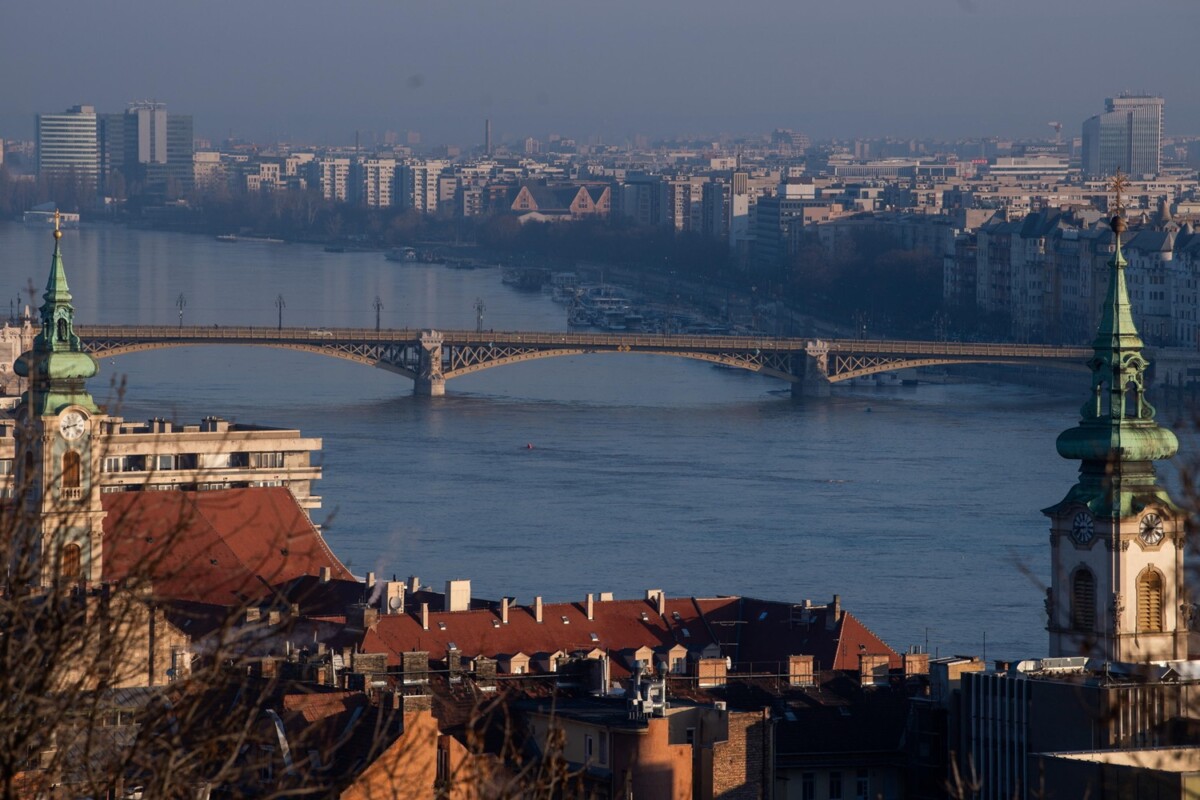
x=101, y=337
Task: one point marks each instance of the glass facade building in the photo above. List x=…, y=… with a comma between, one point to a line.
x=1127, y=136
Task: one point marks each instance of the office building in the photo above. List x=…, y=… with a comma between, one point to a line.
x=148, y=148
x=67, y=144
x=1126, y=137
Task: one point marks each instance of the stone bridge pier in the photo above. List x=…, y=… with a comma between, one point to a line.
x=430, y=380
x=812, y=370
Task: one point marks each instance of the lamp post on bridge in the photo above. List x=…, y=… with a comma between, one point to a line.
x=378, y=306
x=180, y=302
x=479, y=309
x=279, y=304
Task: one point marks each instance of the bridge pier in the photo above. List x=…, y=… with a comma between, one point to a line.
x=431, y=381
x=812, y=370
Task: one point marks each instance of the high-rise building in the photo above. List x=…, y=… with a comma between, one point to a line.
x=417, y=185
x=67, y=144
x=1126, y=137
x=151, y=149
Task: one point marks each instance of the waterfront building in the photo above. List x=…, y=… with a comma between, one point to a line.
x=373, y=181
x=332, y=175
x=149, y=148
x=417, y=185
x=67, y=144
x=1126, y=137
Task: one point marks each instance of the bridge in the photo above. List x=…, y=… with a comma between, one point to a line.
x=430, y=358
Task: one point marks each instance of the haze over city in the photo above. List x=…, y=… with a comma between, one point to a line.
x=307, y=70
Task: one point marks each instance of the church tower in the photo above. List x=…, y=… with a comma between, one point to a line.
x=1117, y=540
x=57, y=465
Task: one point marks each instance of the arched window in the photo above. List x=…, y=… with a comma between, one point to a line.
x=70, y=568
x=62, y=330
x=70, y=470
x=1149, y=602
x=1083, y=600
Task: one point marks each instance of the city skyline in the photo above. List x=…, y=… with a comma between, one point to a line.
x=613, y=71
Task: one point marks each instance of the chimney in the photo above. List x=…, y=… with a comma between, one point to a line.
x=414, y=584
x=833, y=615
x=424, y=616
x=589, y=607
x=659, y=599
x=370, y=581
x=537, y=608
x=326, y=574
x=458, y=596
x=504, y=611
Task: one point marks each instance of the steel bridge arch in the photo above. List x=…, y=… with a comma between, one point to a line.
x=99, y=350
x=762, y=364
x=912, y=363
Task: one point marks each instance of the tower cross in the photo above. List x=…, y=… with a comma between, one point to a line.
x=1119, y=184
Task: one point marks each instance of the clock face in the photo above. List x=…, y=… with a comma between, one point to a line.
x=1152, y=529
x=72, y=425
x=1082, y=528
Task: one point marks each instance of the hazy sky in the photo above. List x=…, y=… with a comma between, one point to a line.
x=320, y=69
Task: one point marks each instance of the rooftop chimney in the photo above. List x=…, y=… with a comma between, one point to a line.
x=504, y=610
x=537, y=608
x=424, y=616
x=833, y=614
x=659, y=599
x=326, y=574
x=370, y=580
x=414, y=584
x=589, y=607
x=458, y=595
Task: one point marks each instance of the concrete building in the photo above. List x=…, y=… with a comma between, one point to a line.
x=1126, y=137
x=149, y=148
x=417, y=185
x=332, y=175
x=68, y=145
x=373, y=181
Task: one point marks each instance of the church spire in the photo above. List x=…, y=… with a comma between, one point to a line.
x=57, y=367
x=1117, y=438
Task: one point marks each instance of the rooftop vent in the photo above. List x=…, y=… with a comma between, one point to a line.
x=565, y=620
x=441, y=626
x=495, y=623
x=675, y=616
x=595, y=638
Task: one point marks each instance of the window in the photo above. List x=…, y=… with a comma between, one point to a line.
x=70, y=567
x=166, y=462
x=1149, y=601
x=808, y=786
x=835, y=786
x=862, y=785
x=690, y=736
x=6, y=466
x=1083, y=600
x=113, y=464
x=70, y=470
x=603, y=758
x=266, y=460
x=588, y=748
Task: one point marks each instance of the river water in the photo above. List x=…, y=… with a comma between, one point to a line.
x=919, y=506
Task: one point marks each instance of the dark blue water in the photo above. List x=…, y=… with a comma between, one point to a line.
x=920, y=506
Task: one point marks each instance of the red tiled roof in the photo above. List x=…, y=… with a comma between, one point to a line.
x=213, y=547
x=761, y=634
x=617, y=624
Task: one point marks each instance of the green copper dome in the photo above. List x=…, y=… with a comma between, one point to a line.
x=1117, y=439
x=57, y=367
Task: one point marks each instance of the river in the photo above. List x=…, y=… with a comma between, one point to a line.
x=918, y=505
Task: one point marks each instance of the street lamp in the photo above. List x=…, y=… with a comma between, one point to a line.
x=279, y=304
x=479, y=309
x=378, y=305
x=180, y=302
